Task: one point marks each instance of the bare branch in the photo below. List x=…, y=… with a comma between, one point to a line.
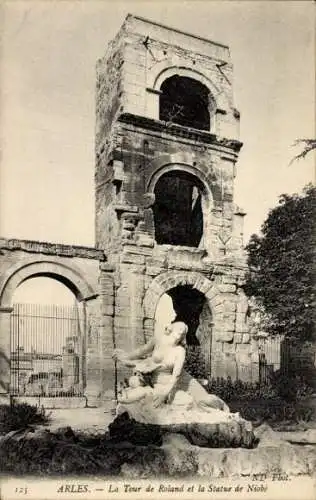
x=308, y=146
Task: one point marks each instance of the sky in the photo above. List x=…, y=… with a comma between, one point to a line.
x=48, y=55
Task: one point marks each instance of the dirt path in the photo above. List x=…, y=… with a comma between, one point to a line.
x=94, y=420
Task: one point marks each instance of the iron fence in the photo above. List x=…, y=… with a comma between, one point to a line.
x=47, y=350
x=272, y=357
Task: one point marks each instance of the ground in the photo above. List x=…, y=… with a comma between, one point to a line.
x=94, y=420
x=85, y=449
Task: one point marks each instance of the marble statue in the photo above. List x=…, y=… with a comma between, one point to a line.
x=135, y=391
x=173, y=395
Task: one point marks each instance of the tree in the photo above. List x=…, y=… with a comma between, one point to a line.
x=281, y=263
x=308, y=146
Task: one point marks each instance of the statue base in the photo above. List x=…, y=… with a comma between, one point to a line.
x=215, y=428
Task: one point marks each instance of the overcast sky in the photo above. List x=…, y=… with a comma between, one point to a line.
x=48, y=113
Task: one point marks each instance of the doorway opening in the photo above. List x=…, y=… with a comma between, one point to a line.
x=187, y=304
x=47, y=340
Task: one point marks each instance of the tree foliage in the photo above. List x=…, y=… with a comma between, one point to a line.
x=281, y=262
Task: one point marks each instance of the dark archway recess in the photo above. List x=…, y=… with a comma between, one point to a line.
x=188, y=304
x=178, y=210
x=185, y=101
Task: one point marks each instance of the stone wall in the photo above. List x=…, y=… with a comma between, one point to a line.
x=130, y=138
x=84, y=271
x=75, y=266
x=122, y=279
x=134, y=149
x=132, y=184
x=150, y=53
x=144, y=275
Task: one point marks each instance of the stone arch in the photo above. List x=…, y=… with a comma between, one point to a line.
x=70, y=276
x=176, y=161
x=182, y=162
x=170, y=279
x=164, y=70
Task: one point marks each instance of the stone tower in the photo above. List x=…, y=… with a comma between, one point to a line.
x=167, y=143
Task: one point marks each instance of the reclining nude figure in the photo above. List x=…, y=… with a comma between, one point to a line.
x=173, y=388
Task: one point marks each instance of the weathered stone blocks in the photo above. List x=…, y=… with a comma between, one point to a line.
x=108, y=310
x=132, y=258
x=107, y=300
x=106, y=321
x=153, y=271
x=227, y=288
x=224, y=365
x=133, y=149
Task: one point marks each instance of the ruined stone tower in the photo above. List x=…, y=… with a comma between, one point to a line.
x=167, y=143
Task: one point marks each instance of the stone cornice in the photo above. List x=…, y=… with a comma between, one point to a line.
x=57, y=249
x=174, y=129
x=176, y=30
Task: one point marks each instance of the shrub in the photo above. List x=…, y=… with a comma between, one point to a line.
x=286, y=387
x=56, y=455
x=275, y=411
x=230, y=390
x=291, y=387
x=194, y=362
x=20, y=415
x=275, y=402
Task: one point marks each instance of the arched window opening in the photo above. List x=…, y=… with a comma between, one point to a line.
x=47, y=340
x=178, y=210
x=185, y=101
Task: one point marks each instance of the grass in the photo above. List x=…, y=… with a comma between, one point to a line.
x=18, y=416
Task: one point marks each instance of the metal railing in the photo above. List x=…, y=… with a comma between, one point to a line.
x=47, y=350
x=269, y=357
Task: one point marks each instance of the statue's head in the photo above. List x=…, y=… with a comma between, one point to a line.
x=177, y=332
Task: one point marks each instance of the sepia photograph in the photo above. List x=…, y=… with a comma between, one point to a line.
x=157, y=250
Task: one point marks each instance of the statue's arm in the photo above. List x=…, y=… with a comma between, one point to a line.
x=143, y=350
x=127, y=358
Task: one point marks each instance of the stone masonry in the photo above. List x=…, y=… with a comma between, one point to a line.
x=165, y=170
x=134, y=150
x=79, y=269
